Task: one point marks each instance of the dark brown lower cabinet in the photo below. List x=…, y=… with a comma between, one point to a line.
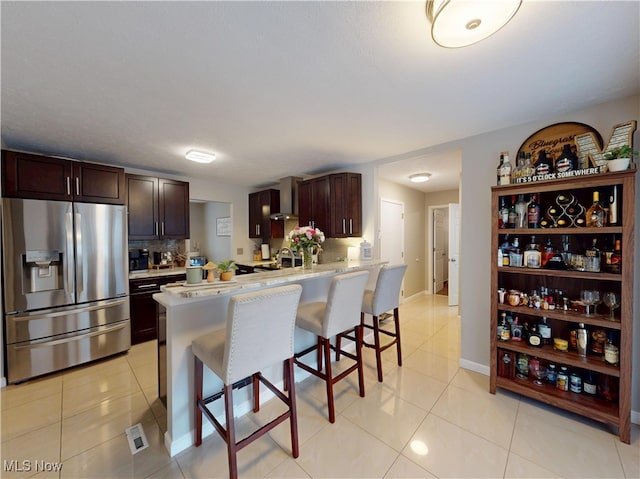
x=144, y=309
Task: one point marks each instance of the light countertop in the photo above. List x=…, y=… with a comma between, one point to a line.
x=177, y=291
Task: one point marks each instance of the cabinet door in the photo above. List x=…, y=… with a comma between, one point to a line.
x=98, y=183
x=143, y=318
x=173, y=197
x=304, y=203
x=346, y=205
x=320, y=204
x=255, y=215
x=142, y=202
x=34, y=176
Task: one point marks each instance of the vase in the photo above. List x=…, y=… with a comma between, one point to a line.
x=307, y=257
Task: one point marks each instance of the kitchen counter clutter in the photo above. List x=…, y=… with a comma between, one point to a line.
x=193, y=311
x=152, y=273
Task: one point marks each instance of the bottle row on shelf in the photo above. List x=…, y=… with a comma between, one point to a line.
x=544, y=166
x=593, y=342
x=521, y=366
x=564, y=210
x=577, y=257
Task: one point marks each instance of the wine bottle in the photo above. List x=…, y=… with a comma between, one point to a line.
x=512, y=215
x=613, y=206
x=505, y=170
x=499, y=169
x=533, y=212
x=503, y=213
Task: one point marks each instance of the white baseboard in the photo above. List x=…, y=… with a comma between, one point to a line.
x=3, y=382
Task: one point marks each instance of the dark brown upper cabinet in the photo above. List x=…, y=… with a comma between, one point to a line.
x=313, y=204
x=261, y=205
x=332, y=203
x=158, y=208
x=26, y=175
x=346, y=205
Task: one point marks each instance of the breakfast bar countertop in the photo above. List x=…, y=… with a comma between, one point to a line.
x=177, y=292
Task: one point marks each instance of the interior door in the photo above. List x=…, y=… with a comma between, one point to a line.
x=391, y=232
x=440, y=238
x=454, y=253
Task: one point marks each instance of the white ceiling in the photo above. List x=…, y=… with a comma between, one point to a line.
x=294, y=88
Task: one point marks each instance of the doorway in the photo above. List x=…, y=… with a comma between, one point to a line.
x=391, y=236
x=443, y=247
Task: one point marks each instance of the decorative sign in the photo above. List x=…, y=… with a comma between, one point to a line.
x=585, y=142
x=223, y=226
x=552, y=138
x=621, y=134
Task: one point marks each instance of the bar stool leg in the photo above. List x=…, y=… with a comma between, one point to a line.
x=359, y=330
x=376, y=337
x=232, y=447
x=256, y=392
x=293, y=420
x=197, y=369
x=326, y=346
x=396, y=318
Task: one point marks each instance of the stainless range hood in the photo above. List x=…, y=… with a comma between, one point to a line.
x=288, y=198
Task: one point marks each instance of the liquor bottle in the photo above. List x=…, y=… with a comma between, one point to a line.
x=613, y=207
x=512, y=215
x=503, y=213
x=616, y=258
x=582, y=338
x=547, y=253
x=499, y=169
x=543, y=165
x=611, y=351
x=528, y=169
x=532, y=255
x=521, y=212
x=567, y=160
x=534, y=338
x=592, y=257
x=533, y=212
x=516, y=330
x=596, y=216
x=505, y=170
x=505, y=247
x=518, y=170
x=545, y=331
x=589, y=382
x=501, y=325
x=515, y=253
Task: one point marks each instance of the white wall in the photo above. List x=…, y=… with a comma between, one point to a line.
x=414, y=232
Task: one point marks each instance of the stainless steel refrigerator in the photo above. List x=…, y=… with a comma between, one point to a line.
x=66, y=287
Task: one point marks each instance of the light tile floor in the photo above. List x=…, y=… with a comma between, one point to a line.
x=429, y=418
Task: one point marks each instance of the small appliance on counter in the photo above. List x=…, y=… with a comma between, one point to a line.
x=138, y=260
x=198, y=261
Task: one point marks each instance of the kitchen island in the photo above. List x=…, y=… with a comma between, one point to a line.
x=195, y=310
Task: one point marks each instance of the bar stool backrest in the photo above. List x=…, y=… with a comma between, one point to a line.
x=260, y=329
x=387, y=293
x=344, y=302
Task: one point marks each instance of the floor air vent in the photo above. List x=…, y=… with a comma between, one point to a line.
x=137, y=439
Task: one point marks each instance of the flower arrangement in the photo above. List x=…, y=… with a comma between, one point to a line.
x=303, y=237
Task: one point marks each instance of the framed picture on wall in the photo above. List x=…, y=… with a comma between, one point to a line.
x=223, y=226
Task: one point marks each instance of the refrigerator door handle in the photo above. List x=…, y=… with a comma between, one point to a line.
x=69, y=262
x=79, y=265
x=47, y=344
x=67, y=312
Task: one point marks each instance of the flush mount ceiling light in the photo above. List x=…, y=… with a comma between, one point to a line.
x=200, y=156
x=459, y=23
x=420, y=177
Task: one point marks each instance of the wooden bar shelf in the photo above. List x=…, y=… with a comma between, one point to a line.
x=505, y=354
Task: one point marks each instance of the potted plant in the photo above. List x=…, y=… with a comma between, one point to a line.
x=226, y=268
x=619, y=158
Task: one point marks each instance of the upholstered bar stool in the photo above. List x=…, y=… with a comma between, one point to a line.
x=331, y=318
x=385, y=297
x=259, y=333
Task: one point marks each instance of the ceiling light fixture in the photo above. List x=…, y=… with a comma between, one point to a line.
x=459, y=23
x=200, y=156
x=420, y=177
